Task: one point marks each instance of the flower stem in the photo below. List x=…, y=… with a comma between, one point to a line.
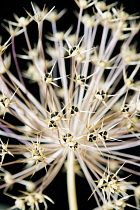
x=71, y=187
x=16, y=61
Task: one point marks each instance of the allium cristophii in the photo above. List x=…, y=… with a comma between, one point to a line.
x=83, y=118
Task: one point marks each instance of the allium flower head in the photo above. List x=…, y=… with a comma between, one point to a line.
x=83, y=115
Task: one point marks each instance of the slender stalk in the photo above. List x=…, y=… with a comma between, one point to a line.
x=71, y=187
x=16, y=62
x=78, y=26
x=27, y=39
x=41, y=45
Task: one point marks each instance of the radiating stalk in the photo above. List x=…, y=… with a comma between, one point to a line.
x=78, y=25
x=16, y=61
x=41, y=44
x=71, y=187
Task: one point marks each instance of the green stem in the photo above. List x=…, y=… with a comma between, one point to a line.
x=71, y=187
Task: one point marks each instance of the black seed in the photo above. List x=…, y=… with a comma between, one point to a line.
x=104, y=181
x=52, y=121
x=103, y=96
x=71, y=51
x=83, y=80
x=72, y=112
x=52, y=115
x=48, y=75
x=90, y=139
x=94, y=138
x=101, y=133
x=76, y=109
x=105, y=132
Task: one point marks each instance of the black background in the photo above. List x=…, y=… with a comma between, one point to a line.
x=57, y=190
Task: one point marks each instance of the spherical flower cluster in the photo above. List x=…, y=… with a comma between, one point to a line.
x=84, y=115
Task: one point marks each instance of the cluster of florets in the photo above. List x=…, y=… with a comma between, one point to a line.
x=88, y=108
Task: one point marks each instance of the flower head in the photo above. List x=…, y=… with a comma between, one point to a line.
x=79, y=110
x=39, y=15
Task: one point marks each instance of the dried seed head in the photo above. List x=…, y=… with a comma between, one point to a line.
x=100, y=95
x=74, y=110
x=67, y=137
x=52, y=124
x=48, y=78
x=80, y=79
x=84, y=4
x=39, y=15
x=19, y=203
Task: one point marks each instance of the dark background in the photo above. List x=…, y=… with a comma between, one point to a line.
x=57, y=190
x=7, y=8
